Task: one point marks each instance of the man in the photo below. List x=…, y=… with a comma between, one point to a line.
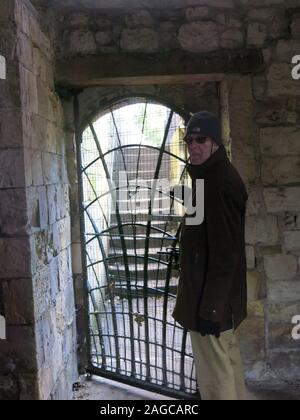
x=212, y=291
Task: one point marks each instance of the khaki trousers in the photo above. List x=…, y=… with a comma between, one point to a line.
x=219, y=368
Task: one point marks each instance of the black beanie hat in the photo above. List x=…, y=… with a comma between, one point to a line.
x=207, y=124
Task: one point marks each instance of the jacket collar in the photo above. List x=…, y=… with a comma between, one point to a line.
x=199, y=171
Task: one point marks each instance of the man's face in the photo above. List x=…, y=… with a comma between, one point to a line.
x=200, y=152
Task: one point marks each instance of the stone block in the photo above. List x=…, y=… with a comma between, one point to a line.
x=280, y=337
x=50, y=164
x=13, y=215
x=295, y=27
x=80, y=42
x=199, y=37
x=281, y=267
x=139, y=19
x=42, y=292
x=197, y=13
x=232, y=38
x=292, y=240
x=10, y=129
x=18, y=301
x=140, y=40
x=283, y=291
x=12, y=168
x=287, y=49
x=224, y=4
x=52, y=203
x=280, y=82
x=29, y=91
x=282, y=199
x=280, y=141
x=254, y=285
x=103, y=38
x=24, y=51
x=77, y=20
x=256, y=34
x=37, y=171
x=16, y=254
x=280, y=171
x=261, y=230
x=282, y=312
x=20, y=347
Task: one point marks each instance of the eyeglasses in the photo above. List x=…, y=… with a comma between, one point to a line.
x=199, y=139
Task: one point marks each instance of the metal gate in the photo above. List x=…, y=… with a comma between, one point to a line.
x=131, y=222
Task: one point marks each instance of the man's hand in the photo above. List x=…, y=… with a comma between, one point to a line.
x=209, y=328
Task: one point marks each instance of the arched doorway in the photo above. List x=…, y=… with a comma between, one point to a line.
x=130, y=156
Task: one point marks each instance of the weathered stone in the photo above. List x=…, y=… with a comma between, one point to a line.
x=280, y=337
x=52, y=203
x=10, y=129
x=77, y=20
x=36, y=166
x=261, y=230
x=17, y=295
x=280, y=171
x=20, y=347
x=139, y=19
x=104, y=23
x=281, y=267
x=282, y=312
x=13, y=215
x=42, y=67
x=282, y=199
x=292, y=240
x=196, y=13
x=103, y=37
x=280, y=81
x=285, y=365
x=140, y=40
x=256, y=34
x=199, y=36
x=283, y=291
x=16, y=254
x=256, y=309
x=43, y=208
x=254, y=285
x=286, y=50
x=50, y=168
x=12, y=168
x=29, y=92
x=224, y=4
x=259, y=87
x=232, y=38
x=280, y=141
x=24, y=51
x=250, y=253
x=261, y=15
x=254, y=204
x=296, y=27
x=81, y=42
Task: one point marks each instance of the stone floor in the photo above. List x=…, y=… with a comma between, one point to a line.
x=103, y=389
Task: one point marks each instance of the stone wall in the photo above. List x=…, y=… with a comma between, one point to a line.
x=262, y=114
x=36, y=279
x=252, y=44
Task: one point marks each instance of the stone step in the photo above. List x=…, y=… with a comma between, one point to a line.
x=154, y=270
x=155, y=241
x=137, y=253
